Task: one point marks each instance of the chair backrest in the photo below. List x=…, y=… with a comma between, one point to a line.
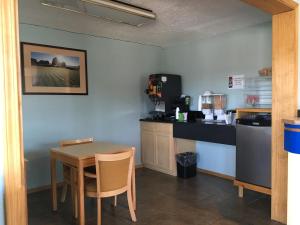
x=65, y=143
x=114, y=172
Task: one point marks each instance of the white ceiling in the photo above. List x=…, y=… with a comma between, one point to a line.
x=177, y=20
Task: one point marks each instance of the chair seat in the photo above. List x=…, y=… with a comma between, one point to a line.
x=91, y=187
x=67, y=172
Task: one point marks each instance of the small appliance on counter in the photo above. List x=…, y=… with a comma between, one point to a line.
x=194, y=116
x=183, y=103
x=182, y=107
x=164, y=90
x=213, y=105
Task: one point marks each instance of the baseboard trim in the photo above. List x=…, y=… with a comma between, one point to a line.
x=47, y=187
x=139, y=166
x=157, y=169
x=42, y=188
x=220, y=175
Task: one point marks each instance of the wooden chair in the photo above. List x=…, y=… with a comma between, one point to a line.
x=69, y=174
x=113, y=177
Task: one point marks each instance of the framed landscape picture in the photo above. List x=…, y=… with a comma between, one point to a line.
x=53, y=70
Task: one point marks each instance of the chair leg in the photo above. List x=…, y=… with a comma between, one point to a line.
x=64, y=193
x=115, y=200
x=130, y=205
x=99, y=211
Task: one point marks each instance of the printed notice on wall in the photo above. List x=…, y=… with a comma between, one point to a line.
x=236, y=82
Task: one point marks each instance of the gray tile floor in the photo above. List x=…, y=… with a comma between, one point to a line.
x=165, y=200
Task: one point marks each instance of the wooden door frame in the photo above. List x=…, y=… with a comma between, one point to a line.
x=285, y=66
x=285, y=91
x=11, y=116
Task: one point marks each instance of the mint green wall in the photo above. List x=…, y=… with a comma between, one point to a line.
x=205, y=65
x=117, y=73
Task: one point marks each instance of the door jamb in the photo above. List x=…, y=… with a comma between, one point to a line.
x=284, y=91
x=15, y=194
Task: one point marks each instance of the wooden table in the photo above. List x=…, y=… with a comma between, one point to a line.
x=79, y=157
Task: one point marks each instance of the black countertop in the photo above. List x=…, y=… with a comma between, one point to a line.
x=156, y=121
x=202, y=131
x=205, y=131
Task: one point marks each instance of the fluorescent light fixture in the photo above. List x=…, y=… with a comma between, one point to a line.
x=106, y=9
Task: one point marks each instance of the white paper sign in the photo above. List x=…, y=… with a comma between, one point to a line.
x=236, y=82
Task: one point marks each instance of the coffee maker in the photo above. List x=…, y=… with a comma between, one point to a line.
x=163, y=90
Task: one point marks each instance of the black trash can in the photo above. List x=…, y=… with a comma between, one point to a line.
x=186, y=164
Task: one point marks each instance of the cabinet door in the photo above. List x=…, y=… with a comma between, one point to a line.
x=148, y=147
x=163, y=146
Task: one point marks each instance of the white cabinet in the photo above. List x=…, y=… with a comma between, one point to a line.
x=158, y=147
x=163, y=151
x=148, y=147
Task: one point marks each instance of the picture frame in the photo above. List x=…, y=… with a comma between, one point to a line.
x=53, y=70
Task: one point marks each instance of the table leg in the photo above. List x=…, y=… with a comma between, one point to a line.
x=53, y=184
x=80, y=193
x=73, y=192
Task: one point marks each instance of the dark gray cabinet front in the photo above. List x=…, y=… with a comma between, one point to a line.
x=253, y=155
